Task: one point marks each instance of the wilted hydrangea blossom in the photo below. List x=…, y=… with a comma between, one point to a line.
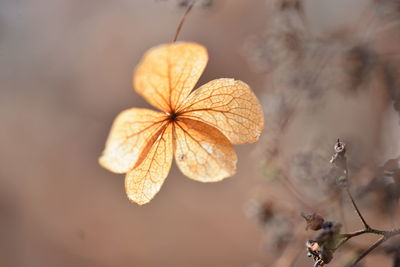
x=324, y=84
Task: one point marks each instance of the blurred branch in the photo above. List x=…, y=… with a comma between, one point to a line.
x=357, y=210
x=329, y=240
x=365, y=253
x=178, y=30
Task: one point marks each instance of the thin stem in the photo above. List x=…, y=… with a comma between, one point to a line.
x=353, y=234
x=385, y=235
x=365, y=253
x=339, y=160
x=178, y=30
x=389, y=234
x=366, y=226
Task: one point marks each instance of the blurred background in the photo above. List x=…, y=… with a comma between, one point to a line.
x=322, y=69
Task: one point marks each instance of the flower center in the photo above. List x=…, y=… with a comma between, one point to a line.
x=173, y=116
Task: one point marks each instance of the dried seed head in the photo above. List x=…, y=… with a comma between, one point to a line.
x=314, y=221
x=339, y=162
x=313, y=248
x=320, y=255
x=324, y=245
x=340, y=147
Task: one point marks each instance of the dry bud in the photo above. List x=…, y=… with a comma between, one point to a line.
x=322, y=248
x=340, y=147
x=314, y=221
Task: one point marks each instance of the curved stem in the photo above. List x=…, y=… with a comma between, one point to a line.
x=385, y=234
x=178, y=30
x=357, y=210
x=365, y=253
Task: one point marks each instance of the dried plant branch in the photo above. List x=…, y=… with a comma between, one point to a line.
x=365, y=253
x=301, y=63
x=357, y=210
x=385, y=234
x=323, y=247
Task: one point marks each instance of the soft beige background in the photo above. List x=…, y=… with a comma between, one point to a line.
x=65, y=73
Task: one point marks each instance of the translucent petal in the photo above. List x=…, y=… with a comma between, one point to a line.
x=144, y=182
x=167, y=73
x=228, y=105
x=131, y=136
x=202, y=152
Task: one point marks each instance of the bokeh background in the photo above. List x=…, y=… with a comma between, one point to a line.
x=65, y=73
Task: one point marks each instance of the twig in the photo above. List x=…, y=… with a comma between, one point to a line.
x=320, y=248
x=178, y=30
x=365, y=253
x=366, y=226
x=385, y=235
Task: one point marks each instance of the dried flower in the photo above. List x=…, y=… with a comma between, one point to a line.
x=197, y=127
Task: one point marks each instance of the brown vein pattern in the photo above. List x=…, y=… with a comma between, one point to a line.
x=132, y=131
x=228, y=105
x=198, y=127
x=167, y=73
x=202, y=152
x=143, y=182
